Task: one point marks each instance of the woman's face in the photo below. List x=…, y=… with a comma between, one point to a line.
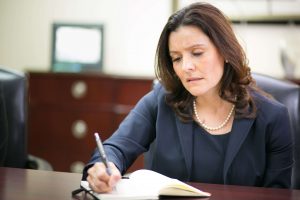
x=196, y=60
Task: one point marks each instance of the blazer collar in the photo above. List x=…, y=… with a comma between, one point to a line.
x=239, y=132
x=185, y=132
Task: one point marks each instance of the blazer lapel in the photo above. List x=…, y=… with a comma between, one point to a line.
x=239, y=132
x=185, y=132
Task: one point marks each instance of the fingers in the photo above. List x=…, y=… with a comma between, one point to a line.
x=100, y=181
x=115, y=175
x=98, y=178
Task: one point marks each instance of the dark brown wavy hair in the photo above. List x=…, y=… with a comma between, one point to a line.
x=236, y=81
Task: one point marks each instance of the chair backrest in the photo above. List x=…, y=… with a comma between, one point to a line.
x=13, y=136
x=287, y=93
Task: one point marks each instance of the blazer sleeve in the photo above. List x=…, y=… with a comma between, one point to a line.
x=134, y=135
x=279, y=155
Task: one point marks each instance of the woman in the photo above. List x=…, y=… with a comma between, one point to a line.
x=205, y=121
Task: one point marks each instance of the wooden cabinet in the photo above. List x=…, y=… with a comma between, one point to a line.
x=65, y=109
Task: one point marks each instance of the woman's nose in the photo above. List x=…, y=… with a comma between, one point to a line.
x=188, y=65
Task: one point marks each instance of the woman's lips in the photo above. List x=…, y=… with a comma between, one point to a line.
x=194, y=79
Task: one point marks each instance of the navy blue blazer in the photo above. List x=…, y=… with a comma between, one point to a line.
x=259, y=151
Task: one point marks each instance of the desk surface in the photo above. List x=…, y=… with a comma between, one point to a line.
x=33, y=184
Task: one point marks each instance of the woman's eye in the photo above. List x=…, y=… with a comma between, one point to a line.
x=176, y=59
x=197, y=53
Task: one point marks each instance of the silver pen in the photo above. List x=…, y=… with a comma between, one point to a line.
x=102, y=153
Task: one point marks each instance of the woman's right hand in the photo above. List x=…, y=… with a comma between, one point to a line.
x=99, y=180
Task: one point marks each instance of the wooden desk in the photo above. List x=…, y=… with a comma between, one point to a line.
x=33, y=184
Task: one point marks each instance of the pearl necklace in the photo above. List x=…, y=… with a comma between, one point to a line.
x=208, y=127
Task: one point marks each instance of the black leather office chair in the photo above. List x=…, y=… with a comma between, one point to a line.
x=13, y=149
x=287, y=93
x=13, y=122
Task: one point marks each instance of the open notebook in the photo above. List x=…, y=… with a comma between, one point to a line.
x=147, y=184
